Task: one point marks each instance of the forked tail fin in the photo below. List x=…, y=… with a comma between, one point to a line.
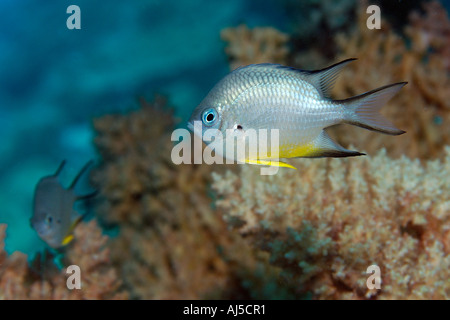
x=363, y=110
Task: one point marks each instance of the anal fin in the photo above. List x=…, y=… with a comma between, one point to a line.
x=326, y=147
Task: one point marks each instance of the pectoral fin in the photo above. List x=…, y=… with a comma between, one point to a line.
x=270, y=163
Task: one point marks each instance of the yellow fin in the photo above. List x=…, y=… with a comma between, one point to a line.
x=270, y=163
x=296, y=151
x=69, y=236
x=67, y=240
x=323, y=146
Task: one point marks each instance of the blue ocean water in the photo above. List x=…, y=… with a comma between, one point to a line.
x=53, y=80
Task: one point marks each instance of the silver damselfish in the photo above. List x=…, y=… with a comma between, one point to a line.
x=297, y=103
x=54, y=217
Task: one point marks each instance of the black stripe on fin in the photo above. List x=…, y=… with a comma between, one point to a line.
x=86, y=166
x=327, y=147
x=337, y=154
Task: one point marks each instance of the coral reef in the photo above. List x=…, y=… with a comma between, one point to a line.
x=421, y=108
x=42, y=280
x=334, y=14
x=257, y=45
x=171, y=244
x=314, y=24
x=431, y=31
x=327, y=222
x=317, y=17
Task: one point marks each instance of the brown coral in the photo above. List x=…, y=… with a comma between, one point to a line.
x=98, y=278
x=257, y=45
x=431, y=30
x=171, y=245
x=327, y=222
x=12, y=271
x=421, y=108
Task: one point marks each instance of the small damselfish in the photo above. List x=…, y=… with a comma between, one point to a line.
x=54, y=217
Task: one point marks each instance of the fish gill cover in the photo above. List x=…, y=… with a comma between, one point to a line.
x=310, y=233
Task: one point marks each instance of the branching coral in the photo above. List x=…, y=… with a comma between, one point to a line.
x=257, y=45
x=422, y=108
x=98, y=278
x=326, y=223
x=431, y=31
x=314, y=25
x=171, y=245
x=12, y=271
x=314, y=17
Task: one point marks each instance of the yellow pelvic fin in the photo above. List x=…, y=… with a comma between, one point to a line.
x=270, y=163
x=67, y=240
x=287, y=151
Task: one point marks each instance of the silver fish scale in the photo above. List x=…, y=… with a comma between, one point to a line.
x=267, y=97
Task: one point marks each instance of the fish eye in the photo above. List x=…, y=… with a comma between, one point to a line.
x=49, y=219
x=209, y=117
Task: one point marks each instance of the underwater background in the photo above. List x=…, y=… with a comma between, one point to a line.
x=114, y=90
x=55, y=80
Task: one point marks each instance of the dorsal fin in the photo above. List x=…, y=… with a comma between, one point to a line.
x=61, y=166
x=324, y=79
x=80, y=174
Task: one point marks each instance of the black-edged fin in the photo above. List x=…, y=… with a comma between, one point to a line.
x=323, y=80
x=69, y=234
x=87, y=196
x=326, y=147
x=61, y=166
x=363, y=110
x=83, y=170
